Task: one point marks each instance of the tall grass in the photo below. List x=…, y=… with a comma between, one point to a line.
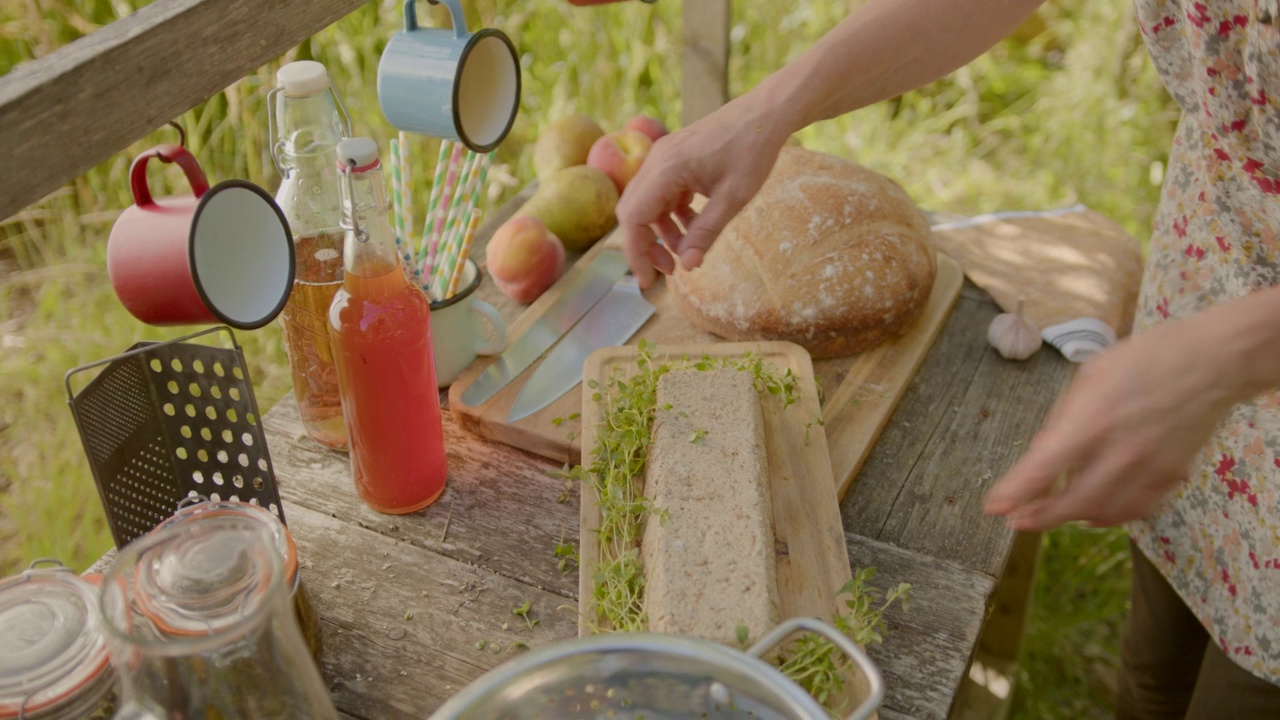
x=1068, y=110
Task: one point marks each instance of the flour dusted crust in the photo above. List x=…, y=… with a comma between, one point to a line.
x=708, y=554
x=829, y=255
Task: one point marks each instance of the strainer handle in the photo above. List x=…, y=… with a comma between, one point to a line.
x=786, y=628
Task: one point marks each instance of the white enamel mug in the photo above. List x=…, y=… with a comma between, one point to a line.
x=456, y=339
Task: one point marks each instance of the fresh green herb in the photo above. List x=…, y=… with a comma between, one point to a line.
x=698, y=435
x=408, y=615
x=816, y=665
x=742, y=632
x=566, y=555
x=523, y=612
x=480, y=644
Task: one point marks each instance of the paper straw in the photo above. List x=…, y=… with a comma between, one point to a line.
x=441, y=206
x=432, y=201
x=397, y=203
x=406, y=185
x=460, y=266
x=451, y=237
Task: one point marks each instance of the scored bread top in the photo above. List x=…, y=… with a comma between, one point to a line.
x=829, y=254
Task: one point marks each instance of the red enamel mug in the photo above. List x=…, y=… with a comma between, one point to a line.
x=221, y=255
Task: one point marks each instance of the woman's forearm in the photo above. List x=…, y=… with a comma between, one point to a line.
x=883, y=49
x=1246, y=335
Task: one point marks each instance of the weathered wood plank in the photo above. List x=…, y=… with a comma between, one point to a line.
x=939, y=510
x=946, y=371
x=505, y=516
x=705, y=63
x=926, y=650
x=380, y=662
x=115, y=85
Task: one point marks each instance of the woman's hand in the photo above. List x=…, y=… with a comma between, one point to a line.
x=1125, y=431
x=726, y=157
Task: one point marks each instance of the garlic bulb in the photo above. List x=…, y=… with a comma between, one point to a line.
x=1014, y=336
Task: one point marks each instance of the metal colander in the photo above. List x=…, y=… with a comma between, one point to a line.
x=165, y=421
x=649, y=676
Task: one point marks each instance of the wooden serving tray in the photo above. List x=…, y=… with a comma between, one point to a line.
x=861, y=391
x=812, y=560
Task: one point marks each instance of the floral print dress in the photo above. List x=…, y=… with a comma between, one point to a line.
x=1216, y=238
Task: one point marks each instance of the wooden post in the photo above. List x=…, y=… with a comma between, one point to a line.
x=706, y=58
x=72, y=109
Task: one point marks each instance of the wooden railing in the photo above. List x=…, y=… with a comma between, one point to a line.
x=72, y=109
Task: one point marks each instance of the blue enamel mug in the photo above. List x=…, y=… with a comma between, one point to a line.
x=448, y=82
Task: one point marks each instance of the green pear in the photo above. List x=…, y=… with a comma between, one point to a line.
x=564, y=143
x=576, y=204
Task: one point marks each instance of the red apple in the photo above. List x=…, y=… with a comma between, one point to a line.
x=619, y=154
x=524, y=258
x=650, y=126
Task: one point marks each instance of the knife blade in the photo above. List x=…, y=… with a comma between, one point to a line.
x=578, y=297
x=613, y=320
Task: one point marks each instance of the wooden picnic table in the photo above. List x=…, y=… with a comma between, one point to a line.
x=415, y=607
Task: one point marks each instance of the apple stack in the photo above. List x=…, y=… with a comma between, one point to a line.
x=581, y=171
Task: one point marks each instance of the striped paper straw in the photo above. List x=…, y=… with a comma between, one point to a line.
x=452, y=235
x=397, y=202
x=433, y=200
x=445, y=195
x=460, y=265
x=406, y=190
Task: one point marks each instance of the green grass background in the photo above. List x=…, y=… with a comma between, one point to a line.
x=1067, y=110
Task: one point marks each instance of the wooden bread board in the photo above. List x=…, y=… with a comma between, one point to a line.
x=812, y=560
x=860, y=391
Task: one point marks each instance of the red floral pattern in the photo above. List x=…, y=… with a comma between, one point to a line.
x=1216, y=237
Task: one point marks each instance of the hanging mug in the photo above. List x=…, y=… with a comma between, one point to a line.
x=448, y=82
x=221, y=255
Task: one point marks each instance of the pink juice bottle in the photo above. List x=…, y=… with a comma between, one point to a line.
x=380, y=324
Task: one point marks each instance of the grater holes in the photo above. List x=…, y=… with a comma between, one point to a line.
x=254, y=501
x=234, y=498
x=258, y=484
x=216, y=392
x=202, y=455
x=206, y=434
x=249, y=418
x=228, y=437
x=185, y=430
x=190, y=410
x=217, y=370
x=197, y=366
x=215, y=497
x=176, y=364
x=173, y=386
x=243, y=459
x=170, y=410
x=247, y=439
x=262, y=464
x=211, y=412
x=237, y=372
x=232, y=416
x=223, y=457
x=234, y=394
x=194, y=390
x=272, y=507
x=217, y=479
x=198, y=477
x=238, y=481
x=156, y=365
x=181, y=452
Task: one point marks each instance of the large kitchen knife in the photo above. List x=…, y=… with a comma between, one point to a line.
x=581, y=294
x=612, y=321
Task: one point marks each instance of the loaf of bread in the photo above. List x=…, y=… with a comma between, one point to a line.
x=829, y=255
x=708, y=551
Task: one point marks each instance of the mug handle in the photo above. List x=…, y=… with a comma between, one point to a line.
x=499, y=341
x=456, y=16
x=169, y=154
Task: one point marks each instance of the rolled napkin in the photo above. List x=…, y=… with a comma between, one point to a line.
x=1077, y=270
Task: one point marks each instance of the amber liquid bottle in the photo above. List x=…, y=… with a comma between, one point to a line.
x=381, y=329
x=307, y=126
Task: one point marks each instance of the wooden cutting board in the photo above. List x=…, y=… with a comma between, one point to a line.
x=860, y=392
x=812, y=561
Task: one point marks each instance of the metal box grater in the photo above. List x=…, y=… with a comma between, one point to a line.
x=165, y=421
